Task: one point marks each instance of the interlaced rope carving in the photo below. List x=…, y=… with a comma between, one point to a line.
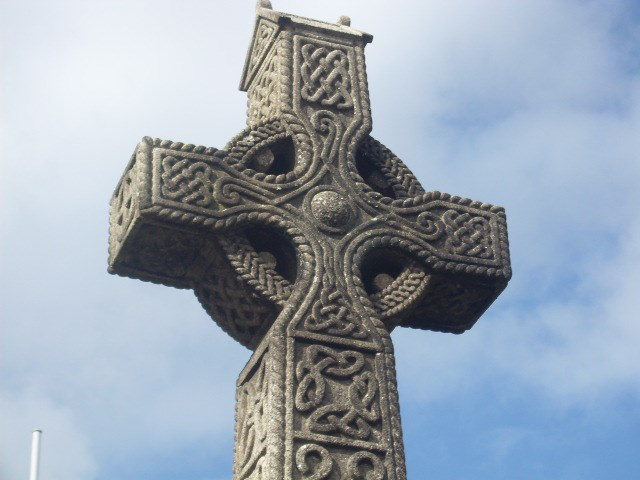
x=254, y=272
x=404, y=292
x=326, y=77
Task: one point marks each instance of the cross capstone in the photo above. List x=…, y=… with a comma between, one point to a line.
x=308, y=241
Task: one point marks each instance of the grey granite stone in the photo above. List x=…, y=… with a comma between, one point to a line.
x=308, y=241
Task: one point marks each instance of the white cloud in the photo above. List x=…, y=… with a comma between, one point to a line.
x=537, y=112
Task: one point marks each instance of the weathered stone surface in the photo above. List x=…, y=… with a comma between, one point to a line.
x=308, y=241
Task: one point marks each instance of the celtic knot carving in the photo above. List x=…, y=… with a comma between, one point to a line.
x=331, y=314
x=328, y=125
x=351, y=414
x=187, y=181
x=350, y=418
x=326, y=78
x=467, y=235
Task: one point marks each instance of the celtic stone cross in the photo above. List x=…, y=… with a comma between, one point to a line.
x=308, y=241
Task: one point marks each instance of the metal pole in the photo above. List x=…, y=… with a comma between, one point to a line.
x=35, y=455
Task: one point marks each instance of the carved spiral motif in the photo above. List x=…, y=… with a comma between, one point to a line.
x=432, y=226
x=322, y=470
x=329, y=127
x=357, y=462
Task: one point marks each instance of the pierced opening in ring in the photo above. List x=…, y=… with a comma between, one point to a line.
x=274, y=159
x=381, y=267
x=370, y=171
x=275, y=250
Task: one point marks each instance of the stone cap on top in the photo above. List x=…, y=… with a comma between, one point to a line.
x=269, y=23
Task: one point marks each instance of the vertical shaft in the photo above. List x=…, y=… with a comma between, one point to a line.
x=35, y=455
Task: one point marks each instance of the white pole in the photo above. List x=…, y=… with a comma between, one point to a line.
x=35, y=455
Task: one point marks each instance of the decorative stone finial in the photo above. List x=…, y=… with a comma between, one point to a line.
x=264, y=4
x=344, y=20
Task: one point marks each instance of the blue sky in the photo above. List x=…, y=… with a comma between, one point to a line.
x=532, y=105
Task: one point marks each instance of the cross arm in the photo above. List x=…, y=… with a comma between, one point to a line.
x=166, y=214
x=169, y=195
x=456, y=255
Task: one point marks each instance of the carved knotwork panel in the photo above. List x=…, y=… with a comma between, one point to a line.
x=201, y=183
x=325, y=88
x=457, y=231
x=188, y=182
x=337, y=393
x=326, y=78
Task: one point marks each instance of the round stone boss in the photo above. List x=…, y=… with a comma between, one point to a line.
x=330, y=209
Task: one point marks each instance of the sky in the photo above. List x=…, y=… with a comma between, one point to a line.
x=533, y=105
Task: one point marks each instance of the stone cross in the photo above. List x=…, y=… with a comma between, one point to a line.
x=308, y=241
